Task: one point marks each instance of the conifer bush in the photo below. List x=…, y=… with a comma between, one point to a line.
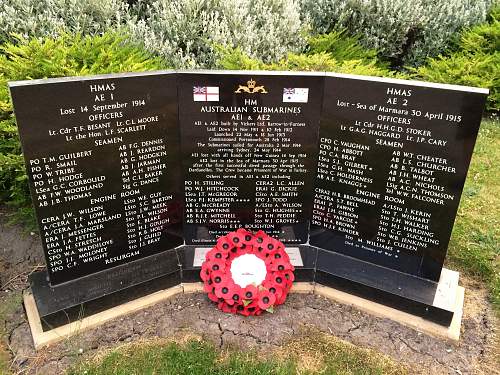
x=67, y=55
x=342, y=46
x=50, y=18
x=404, y=32
x=316, y=62
x=185, y=32
x=474, y=62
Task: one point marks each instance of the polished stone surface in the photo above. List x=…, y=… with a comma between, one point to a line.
x=392, y=164
x=251, y=154
x=51, y=299
x=130, y=172
x=102, y=157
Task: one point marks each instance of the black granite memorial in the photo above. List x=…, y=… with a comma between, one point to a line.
x=102, y=157
x=392, y=164
x=133, y=176
x=393, y=158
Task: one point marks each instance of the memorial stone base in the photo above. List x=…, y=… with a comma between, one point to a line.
x=55, y=313
x=133, y=176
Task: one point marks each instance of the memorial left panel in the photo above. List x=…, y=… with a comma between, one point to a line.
x=102, y=157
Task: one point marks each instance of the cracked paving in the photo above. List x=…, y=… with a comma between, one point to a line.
x=193, y=312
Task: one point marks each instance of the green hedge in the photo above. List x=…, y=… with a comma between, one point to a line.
x=342, y=46
x=320, y=62
x=184, y=32
x=404, y=32
x=67, y=55
x=475, y=61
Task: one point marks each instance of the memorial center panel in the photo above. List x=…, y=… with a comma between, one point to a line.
x=393, y=159
x=102, y=158
x=249, y=146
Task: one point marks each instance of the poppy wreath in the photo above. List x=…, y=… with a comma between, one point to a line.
x=235, y=296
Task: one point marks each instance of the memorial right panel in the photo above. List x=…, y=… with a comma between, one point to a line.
x=393, y=157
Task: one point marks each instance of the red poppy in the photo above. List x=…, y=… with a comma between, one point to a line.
x=269, y=278
x=218, y=265
x=246, y=236
x=233, y=290
x=257, y=243
x=234, y=298
x=267, y=245
x=216, y=255
x=259, y=254
x=214, y=265
x=224, y=289
x=283, y=297
x=259, y=237
x=236, y=252
x=269, y=261
x=279, y=278
x=236, y=238
x=249, y=292
x=290, y=277
x=266, y=299
x=280, y=265
x=243, y=310
x=274, y=288
x=223, y=243
x=278, y=255
x=205, y=274
x=277, y=244
x=207, y=264
x=268, y=283
x=219, y=277
x=227, y=309
x=279, y=293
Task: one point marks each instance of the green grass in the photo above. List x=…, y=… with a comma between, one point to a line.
x=193, y=358
x=475, y=242
x=321, y=354
x=4, y=361
x=7, y=307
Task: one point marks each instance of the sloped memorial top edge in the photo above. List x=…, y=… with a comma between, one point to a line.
x=478, y=90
